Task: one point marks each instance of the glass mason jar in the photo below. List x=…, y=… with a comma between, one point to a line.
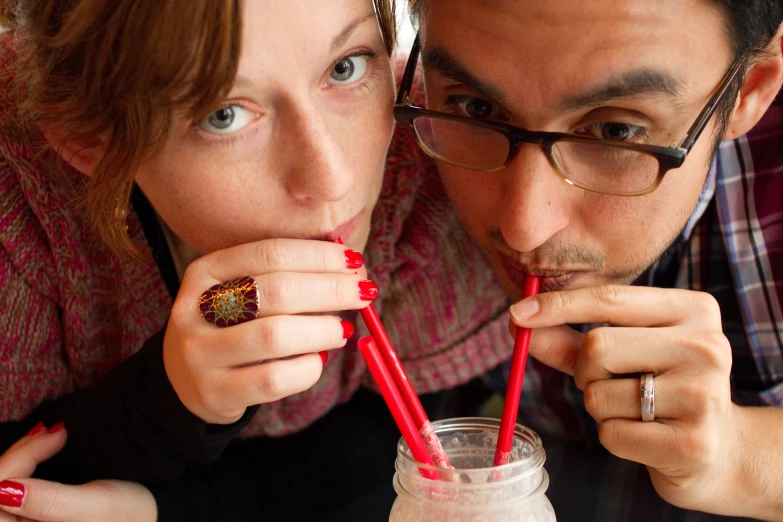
x=474, y=491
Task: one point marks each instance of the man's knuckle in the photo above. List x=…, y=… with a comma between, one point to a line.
x=694, y=395
x=594, y=345
x=596, y=398
x=712, y=348
x=556, y=300
x=698, y=447
x=609, y=435
x=610, y=295
x=705, y=304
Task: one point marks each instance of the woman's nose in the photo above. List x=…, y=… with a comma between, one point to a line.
x=320, y=167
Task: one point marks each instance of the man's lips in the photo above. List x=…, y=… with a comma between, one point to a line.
x=550, y=279
x=343, y=231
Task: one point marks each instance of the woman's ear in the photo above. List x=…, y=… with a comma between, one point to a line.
x=83, y=155
x=762, y=83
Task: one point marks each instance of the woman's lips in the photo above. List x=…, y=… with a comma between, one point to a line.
x=550, y=280
x=344, y=231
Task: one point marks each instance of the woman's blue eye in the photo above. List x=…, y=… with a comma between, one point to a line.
x=227, y=120
x=348, y=70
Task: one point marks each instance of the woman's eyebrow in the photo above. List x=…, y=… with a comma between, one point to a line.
x=346, y=33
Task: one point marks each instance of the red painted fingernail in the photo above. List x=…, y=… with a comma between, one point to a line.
x=38, y=428
x=57, y=427
x=368, y=290
x=348, y=329
x=353, y=259
x=11, y=493
x=324, y=357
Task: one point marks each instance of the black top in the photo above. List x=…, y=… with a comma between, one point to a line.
x=130, y=425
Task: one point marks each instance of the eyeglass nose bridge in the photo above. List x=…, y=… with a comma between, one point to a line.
x=545, y=140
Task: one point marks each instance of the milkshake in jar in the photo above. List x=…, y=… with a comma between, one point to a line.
x=474, y=491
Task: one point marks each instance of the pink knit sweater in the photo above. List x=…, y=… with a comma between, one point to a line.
x=64, y=324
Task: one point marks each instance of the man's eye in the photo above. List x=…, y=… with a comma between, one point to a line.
x=477, y=108
x=614, y=131
x=227, y=120
x=348, y=70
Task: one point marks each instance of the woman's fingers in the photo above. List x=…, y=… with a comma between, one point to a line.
x=101, y=501
x=275, y=337
x=268, y=257
x=266, y=382
x=21, y=459
x=292, y=293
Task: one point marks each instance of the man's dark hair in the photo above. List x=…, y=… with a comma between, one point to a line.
x=752, y=23
x=751, y=26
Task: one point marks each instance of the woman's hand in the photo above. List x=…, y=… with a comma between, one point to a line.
x=26, y=499
x=691, y=449
x=218, y=372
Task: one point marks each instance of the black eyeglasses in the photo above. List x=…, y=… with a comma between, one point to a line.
x=594, y=164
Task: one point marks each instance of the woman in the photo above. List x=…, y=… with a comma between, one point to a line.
x=223, y=140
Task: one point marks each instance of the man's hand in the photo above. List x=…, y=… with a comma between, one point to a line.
x=691, y=449
x=26, y=499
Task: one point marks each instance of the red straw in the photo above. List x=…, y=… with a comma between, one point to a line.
x=431, y=440
x=404, y=386
x=394, y=401
x=508, y=419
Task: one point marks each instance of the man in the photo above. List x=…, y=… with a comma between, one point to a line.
x=701, y=239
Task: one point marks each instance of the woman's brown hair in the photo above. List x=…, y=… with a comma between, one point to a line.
x=116, y=69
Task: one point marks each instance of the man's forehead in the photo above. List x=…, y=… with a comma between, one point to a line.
x=567, y=22
x=587, y=54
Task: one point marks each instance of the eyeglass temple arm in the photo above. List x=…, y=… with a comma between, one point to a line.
x=701, y=122
x=410, y=71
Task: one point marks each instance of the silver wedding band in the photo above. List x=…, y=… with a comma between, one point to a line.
x=648, y=397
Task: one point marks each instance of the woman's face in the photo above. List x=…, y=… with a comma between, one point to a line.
x=297, y=148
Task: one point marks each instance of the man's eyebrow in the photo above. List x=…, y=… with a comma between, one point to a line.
x=632, y=83
x=440, y=61
x=346, y=33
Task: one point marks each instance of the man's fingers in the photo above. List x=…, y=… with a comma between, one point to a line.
x=613, y=351
x=99, y=501
x=617, y=305
x=22, y=458
x=557, y=347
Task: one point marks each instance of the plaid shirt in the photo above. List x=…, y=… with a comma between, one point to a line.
x=732, y=248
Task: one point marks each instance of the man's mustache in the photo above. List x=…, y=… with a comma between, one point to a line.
x=551, y=254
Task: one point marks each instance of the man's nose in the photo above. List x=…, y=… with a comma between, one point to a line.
x=319, y=168
x=535, y=202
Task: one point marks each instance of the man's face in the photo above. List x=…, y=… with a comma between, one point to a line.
x=634, y=70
